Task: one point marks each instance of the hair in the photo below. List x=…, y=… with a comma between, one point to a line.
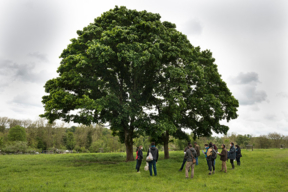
x=237, y=146
x=210, y=144
x=224, y=145
x=137, y=149
x=206, y=145
x=232, y=143
x=190, y=145
x=152, y=143
x=195, y=142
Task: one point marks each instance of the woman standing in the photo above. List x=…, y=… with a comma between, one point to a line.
x=232, y=154
x=139, y=158
x=210, y=159
x=238, y=154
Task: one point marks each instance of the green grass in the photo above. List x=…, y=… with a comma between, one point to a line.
x=260, y=170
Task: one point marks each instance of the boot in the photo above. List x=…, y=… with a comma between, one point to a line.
x=232, y=165
x=238, y=163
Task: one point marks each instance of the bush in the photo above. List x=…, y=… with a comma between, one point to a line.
x=17, y=133
x=17, y=146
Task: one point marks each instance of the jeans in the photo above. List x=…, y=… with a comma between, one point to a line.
x=154, y=167
x=196, y=160
x=214, y=161
x=184, y=161
x=211, y=164
x=138, y=164
x=207, y=163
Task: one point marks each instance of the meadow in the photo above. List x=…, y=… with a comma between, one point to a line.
x=260, y=170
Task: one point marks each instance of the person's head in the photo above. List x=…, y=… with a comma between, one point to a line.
x=223, y=146
x=195, y=143
x=137, y=149
x=210, y=144
x=152, y=143
x=190, y=145
x=237, y=146
x=206, y=145
x=231, y=144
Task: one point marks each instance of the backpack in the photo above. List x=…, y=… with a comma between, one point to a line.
x=214, y=154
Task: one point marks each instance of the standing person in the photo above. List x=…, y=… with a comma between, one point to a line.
x=184, y=160
x=216, y=149
x=232, y=154
x=139, y=158
x=190, y=155
x=238, y=154
x=206, y=147
x=197, y=149
x=223, y=158
x=155, y=154
x=210, y=159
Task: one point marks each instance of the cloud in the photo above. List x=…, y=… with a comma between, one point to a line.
x=39, y=56
x=282, y=94
x=26, y=100
x=244, y=87
x=11, y=71
x=193, y=27
x=245, y=78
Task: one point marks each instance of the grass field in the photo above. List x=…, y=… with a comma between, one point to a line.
x=260, y=170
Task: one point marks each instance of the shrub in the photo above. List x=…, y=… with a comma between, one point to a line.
x=17, y=133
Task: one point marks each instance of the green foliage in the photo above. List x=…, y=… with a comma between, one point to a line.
x=242, y=140
x=17, y=133
x=70, y=143
x=2, y=128
x=17, y=146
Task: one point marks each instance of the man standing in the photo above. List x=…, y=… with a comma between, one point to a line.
x=190, y=155
x=232, y=154
x=184, y=160
x=223, y=158
x=154, y=151
x=197, y=149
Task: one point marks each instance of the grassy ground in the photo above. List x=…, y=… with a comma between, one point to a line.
x=260, y=170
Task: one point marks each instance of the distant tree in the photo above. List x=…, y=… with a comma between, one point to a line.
x=276, y=139
x=70, y=143
x=89, y=139
x=242, y=140
x=41, y=145
x=17, y=133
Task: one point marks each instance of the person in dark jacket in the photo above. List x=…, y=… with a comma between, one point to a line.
x=210, y=159
x=190, y=155
x=232, y=154
x=197, y=149
x=223, y=158
x=139, y=159
x=184, y=160
x=238, y=154
x=155, y=154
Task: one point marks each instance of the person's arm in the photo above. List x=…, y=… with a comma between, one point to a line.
x=140, y=154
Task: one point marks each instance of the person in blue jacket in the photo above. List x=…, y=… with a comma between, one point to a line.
x=238, y=154
x=232, y=154
x=207, y=147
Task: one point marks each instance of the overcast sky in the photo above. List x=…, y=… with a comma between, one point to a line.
x=247, y=38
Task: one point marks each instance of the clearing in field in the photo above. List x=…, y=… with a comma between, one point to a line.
x=260, y=170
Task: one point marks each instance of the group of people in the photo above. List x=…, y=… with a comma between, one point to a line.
x=191, y=155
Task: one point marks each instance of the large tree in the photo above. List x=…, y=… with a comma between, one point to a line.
x=124, y=64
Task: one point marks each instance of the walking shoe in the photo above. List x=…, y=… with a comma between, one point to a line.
x=138, y=171
x=213, y=172
x=209, y=173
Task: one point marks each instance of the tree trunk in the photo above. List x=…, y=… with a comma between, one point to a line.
x=166, y=141
x=129, y=146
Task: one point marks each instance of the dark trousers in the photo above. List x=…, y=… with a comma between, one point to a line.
x=138, y=164
x=184, y=161
x=152, y=163
x=232, y=163
x=238, y=159
x=211, y=164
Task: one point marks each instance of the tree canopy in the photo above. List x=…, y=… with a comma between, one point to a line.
x=17, y=133
x=128, y=63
